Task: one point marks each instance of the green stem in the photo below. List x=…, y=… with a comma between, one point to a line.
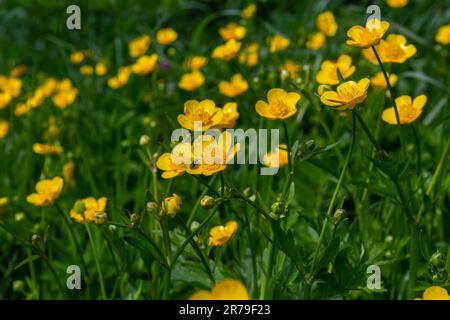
x=97, y=263
x=268, y=275
x=367, y=130
x=286, y=133
x=333, y=199
x=413, y=259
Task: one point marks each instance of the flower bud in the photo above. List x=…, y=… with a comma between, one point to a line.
x=310, y=145
x=35, y=239
x=19, y=216
x=135, y=220
x=18, y=285
x=194, y=225
x=278, y=210
x=152, y=207
x=144, y=140
x=100, y=217
x=171, y=205
x=284, y=75
x=207, y=202
x=339, y=215
x=112, y=228
x=248, y=192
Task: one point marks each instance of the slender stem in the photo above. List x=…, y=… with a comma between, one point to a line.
x=286, y=133
x=419, y=155
x=57, y=279
x=97, y=263
x=367, y=130
x=413, y=259
x=268, y=275
x=74, y=238
x=197, y=204
x=334, y=197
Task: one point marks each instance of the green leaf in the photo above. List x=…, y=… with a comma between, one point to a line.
x=25, y=261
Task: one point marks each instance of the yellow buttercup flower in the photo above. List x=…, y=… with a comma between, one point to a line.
x=87, y=70
x=277, y=43
x=10, y=85
x=443, y=35
x=226, y=51
x=277, y=158
x=191, y=81
x=435, y=293
x=397, y=3
x=232, y=31
x=64, y=98
x=379, y=82
x=196, y=62
x=220, y=235
x=315, y=41
x=100, y=69
x=47, y=191
x=166, y=36
x=18, y=71
x=48, y=87
x=172, y=205
x=367, y=36
x=408, y=110
x=327, y=24
x=211, y=155
x=394, y=50
x=47, y=149
x=76, y=57
x=280, y=106
x=145, y=65
x=249, y=11
x=5, y=99
x=203, y=114
x=87, y=209
x=120, y=79
x=138, y=46
x=3, y=202
x=230, y=116
x=4, y=128
x=347, y=95
x=226, y=289
x=328, y=70
x=250, y=55
x=68, y=172
x=175, y=163
x=292, y=68
x=236, y=86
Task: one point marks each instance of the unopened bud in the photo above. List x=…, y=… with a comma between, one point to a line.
x=19, y=216
x=100, y=217
x=207, y=202
x=194, y=225
x=248, y=192
x=144, y=140
x=18, y=285
x=152, y=207
x=35, y=239
x=278, y=210
x=134, y=219
x=340, y=214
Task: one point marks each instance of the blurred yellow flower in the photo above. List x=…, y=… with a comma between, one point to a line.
x=347, y=95
x=230, y=116
x=5, y=99
x=76, y=57
x=220, y=235
x=200, y=116
x=174, y=163
x=277, y=158
x=328, y=70
x=145, y=65
x=408, y=110
x=327, y=24
x=367, y=36
x=87, y=209
x=87, y=70
x=277, y=43
x=18, y=71
x=191, y=81
x=48, y=87
x=172, y=205
x=65, y=94
x=3, y=202
x=47, y=191
x=226, y=289
x=435, y=293
x=232, y=31
x=250, y=55
x=100, y=69
x=394, y=49
x=211, y=155
x=196, y=62
x=248, y=11
x=4, y=128
x=315, y=41
x=236, y=86
x=21, y=109
x=121, y=79
x=68, y=172
x=281, y=104
x=379, y=82
x=47, y=149
x=443, y=35
x=397, y=3
x=226, y=51
x=166, y=36
x=292, y=68
x=138, y=46
x=10, y=85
